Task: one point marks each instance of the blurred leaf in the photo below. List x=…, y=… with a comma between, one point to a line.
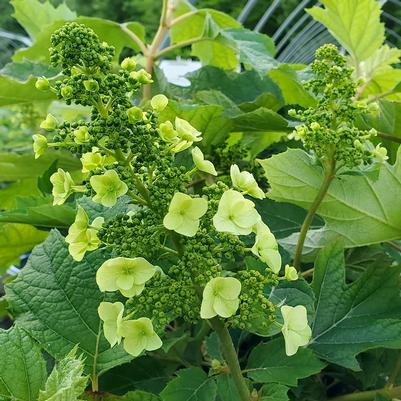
x=22, y=367
x=21, y=188
x=15, y=167
x=274, y=392
x=39, y=211
x=268, y=363
x=261, y=119
x=16, y=92
x=23, y=71
x=226, y=388
x=15, y=240
x=347, y=20
x=34, y=15
x=214, y=53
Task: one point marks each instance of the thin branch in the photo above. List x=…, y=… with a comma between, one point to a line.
x=389, y=137
x=179, y=45
x=135, y=38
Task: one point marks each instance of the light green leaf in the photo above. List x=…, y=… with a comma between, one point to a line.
x=44, y=14
x=130, y=396
x=352, y=202
x=356, y=317
x=16, y=92
x=261, y=119
x=194, y=26
x=347, y=21
x=22, y=367
x=66, y=381
x=214, y=53
x=23, y=71
x=191, y=384
x=288, y=78
x=39, y=211
x=69, y=315
x=20, y=188
x=268, y=363
x=274, y=392
x=15, y=167
x=254, y=49
x=15, y=240
x=108, y=31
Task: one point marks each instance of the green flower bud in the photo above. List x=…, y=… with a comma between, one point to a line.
x=315, y=126
x=91, y=85
x=290, y=273
x=42, y=84
x=67, y=92
x=159, y=102
x=380, y=154
x=135, y=114
x=167, y=132
x=128, y=64
x=49, y=124
x=39, y=145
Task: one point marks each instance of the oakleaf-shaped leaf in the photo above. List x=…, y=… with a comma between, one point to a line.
x=351, y=202
x=22, y=367
x=356, y=317
x=347, y=21
x=56, y=300
x=66, y=381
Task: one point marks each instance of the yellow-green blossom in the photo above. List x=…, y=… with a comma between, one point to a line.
x=93, y=160
x=108, y=188
x=266, y=247
x=42, y=84
x=187, y=135
x=159, y=102
x=141, y=76
x=62, y=186
x=135, y=114
x=184, y=213
x=128, y=64
x=167, y=132
x=295, y=329
x=39, y=145
x=380, y=154
x=127, y=275
x=220, y=297
x=290, y=273
x=139, y=336
x=49, y=124
x=200, y=162
x=82, y=237
x=235, y=214
x=112, y=316
x=245, y=182
x=81, y=135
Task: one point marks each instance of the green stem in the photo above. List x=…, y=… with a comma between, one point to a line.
x=391, y=138
x=231, y=358
x=135, y=38
x=328, y=178
x=369, y=395
x=179, y=45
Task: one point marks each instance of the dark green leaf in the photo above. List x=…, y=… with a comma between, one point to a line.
x=268, y=363
x=191, y=384
x=226, y=388
x=356, y=317
x=23, y=71
x=274, y=392
x=22, y=367
x=56, y=300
